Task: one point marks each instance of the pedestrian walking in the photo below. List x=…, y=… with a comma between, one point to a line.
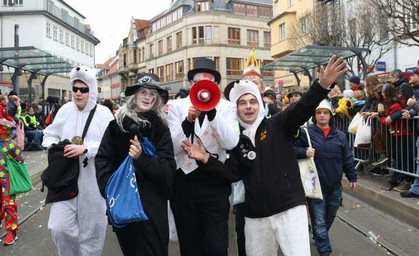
x=333, y=157
x=276, y=214
x=78, y=225
x=200, y=202
x=8, y=208
x=141, y=117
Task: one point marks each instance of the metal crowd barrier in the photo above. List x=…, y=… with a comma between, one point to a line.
x=401, y=151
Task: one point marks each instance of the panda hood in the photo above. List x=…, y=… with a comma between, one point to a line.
x=88, y=76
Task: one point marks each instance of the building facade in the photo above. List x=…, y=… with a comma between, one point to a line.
x=224, y=31
x=52, y=26
x=109, y=81
x=286, y=14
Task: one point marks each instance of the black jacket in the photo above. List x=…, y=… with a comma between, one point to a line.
x=154, y=176
x=272, y=180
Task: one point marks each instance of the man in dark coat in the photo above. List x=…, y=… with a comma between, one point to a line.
x=401, y=83
x=265, y=160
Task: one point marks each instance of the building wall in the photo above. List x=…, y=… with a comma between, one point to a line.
x=33, y=32
x=218, y=48
x=287, y=14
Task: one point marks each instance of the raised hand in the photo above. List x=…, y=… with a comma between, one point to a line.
x=195, y=152
x=332, y=72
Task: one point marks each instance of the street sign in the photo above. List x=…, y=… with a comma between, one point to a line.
x=380, y=66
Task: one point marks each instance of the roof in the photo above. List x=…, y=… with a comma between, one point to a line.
x=256, y=2
x=310, y=57
x=142, y=24
x=33, y=60
x=74, y=10
x=107, y=64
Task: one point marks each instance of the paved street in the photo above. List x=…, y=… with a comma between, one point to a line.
x=35, y=238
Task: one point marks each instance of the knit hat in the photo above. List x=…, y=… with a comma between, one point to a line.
x=354, y=79
x=7, y=128
x=294, y=89
x=252, y=67
x=325, y=104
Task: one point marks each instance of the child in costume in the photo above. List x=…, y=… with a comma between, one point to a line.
x=8, y=207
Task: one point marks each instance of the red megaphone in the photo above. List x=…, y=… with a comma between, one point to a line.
x=205, y=95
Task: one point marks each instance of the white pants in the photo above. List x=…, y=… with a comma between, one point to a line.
x=287, y=230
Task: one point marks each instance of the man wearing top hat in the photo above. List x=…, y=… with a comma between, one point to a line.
x=200, y=201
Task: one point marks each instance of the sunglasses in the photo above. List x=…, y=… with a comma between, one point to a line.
x=82, y=90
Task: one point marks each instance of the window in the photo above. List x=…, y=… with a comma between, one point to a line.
x=179, y=13
x=169, y=72
x=240, y=9
x=143, y=54
x=160, y=73
x=266, y=39
x=265, y=12
x=276, y=7
x=160, y=47
x=125, y=59
x=304, y=21
x=12, y=2
x=72, y=41
x=202, y=6
x=208, y=35
x=163, y=22
x=217, y=63
x=179, y=68
x=252, y=10
x=252, y=38
x=174, y=14
x=78, y=44
x=234, y=67
x=169, y=19
x=55, y=32
x=267, y=74
x=234, y=36
x=282, y=32
x=135, y=55
x=169, y=44
x=151, y=51
x=91, y=50
x=198, y=35
x=48, y=29
x=179, y=40
x=151, y=70
x=67, y=38
x=290, y=2
x=86, y=48
x=61, y=36
x=82, y=46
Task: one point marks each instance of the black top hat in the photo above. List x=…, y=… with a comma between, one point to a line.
x=204, y=65
x=149, y=81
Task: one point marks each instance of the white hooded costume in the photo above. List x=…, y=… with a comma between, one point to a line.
x=78, y=226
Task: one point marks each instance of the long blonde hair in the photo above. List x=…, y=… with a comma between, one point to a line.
x=130, y=112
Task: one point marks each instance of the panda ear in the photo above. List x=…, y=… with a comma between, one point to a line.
x=78, y=68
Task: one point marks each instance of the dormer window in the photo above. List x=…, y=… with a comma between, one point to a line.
x=202, y=6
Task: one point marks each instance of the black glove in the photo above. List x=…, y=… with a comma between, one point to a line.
x=211, y=114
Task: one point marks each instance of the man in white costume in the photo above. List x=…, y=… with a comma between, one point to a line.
x=78, y=225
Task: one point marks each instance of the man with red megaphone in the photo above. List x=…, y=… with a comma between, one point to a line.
x=200, y=202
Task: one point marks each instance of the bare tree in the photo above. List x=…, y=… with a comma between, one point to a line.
x=403, y=16
x=353, y=25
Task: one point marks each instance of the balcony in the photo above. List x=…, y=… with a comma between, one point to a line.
x=71, y=21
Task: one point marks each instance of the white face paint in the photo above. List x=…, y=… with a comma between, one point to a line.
x=145, y=99
x=203, y=76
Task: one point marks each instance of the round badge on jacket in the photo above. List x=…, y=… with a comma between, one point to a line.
x=251, y=155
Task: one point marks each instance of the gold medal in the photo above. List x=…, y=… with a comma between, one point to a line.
x=77, y=140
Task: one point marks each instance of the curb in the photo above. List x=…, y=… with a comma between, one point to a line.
x=396, y=208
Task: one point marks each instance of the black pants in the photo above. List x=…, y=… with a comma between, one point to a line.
x=201, y=209
x=239, y=211
x=142, y=239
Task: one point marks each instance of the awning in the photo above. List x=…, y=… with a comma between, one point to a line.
x=33, y=60
x=311, y=57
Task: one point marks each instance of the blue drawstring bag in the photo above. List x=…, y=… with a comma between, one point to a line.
x=123, y=200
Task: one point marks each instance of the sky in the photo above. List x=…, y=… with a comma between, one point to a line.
x=110, y=20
